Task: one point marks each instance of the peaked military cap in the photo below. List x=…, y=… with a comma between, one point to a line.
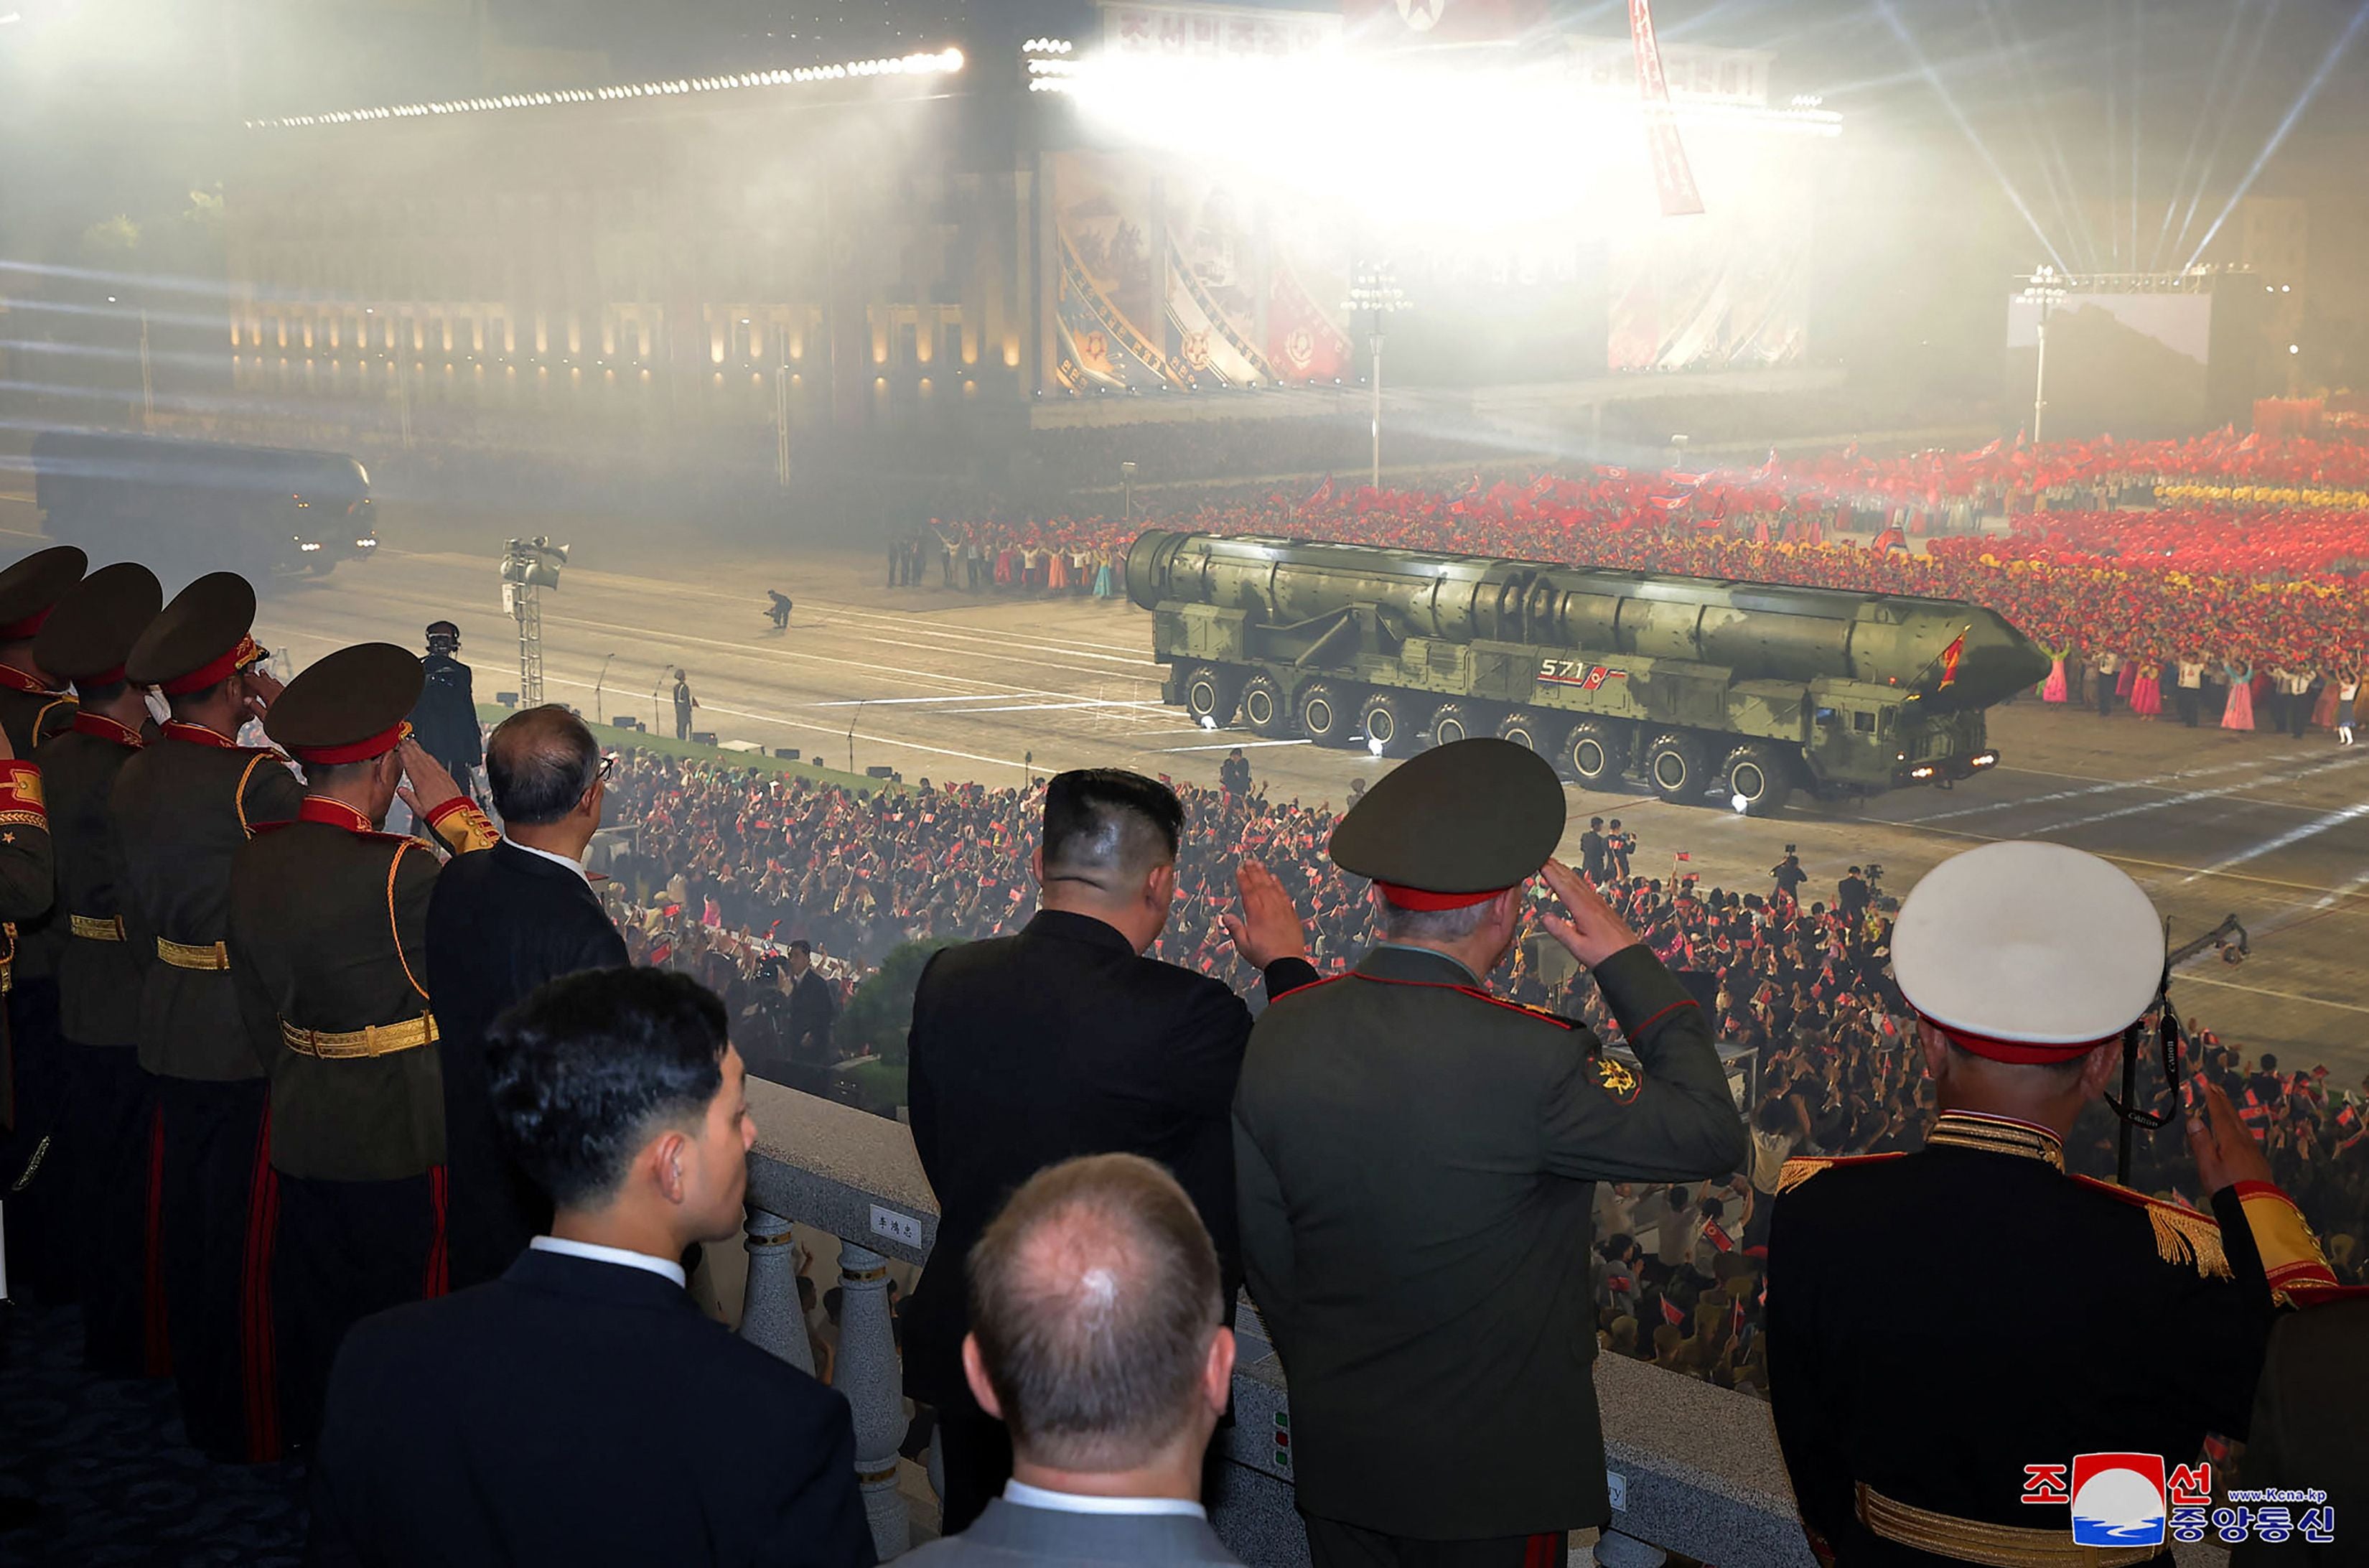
x=31, y=588
x=349, y=707
x=1451, y=826
x=201, y=638
x=90, y=633
x=2028, y=952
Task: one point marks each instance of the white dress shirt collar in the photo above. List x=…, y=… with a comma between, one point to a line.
x=575, y=865
x=598, y=1253
x=1028, y=1496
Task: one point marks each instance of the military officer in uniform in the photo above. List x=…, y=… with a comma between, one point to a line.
x=1939, y=1320
x=182, y=805
x=328, y=944
x=107, y=1137
x=40, y=1246
x=1417, y=1162
x=27, y=876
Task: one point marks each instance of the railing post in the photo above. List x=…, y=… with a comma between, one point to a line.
x=868, y=1373
x=770, y=1315
x=1614, y=1549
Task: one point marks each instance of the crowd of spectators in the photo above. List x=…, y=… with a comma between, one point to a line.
x=733, y=863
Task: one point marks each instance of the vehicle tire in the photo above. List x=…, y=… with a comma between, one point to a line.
x=1389, y=729
x=1674, y=767
x=1597, y=753
x=1264, y=709
x=1759, y=776
x=1450, y=722
x=1209, y=695
x=1328, y=714
x=1523, y=728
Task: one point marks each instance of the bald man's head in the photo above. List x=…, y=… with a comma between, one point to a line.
x=1095, y=1297
x=540, y=762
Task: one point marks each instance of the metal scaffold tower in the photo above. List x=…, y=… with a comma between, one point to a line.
x=530, y=565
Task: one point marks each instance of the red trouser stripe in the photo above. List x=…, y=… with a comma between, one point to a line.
x=257, y=1336
x=1543, y=1551
x=439, y=1277
x=157, y=1347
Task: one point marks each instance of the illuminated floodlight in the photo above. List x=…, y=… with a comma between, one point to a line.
x=1479, y=152
x=1374, y=745
x=1209, y=721
x=940, y=62
x=1741, y=805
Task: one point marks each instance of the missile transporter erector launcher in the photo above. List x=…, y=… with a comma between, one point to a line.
x=1694, y=685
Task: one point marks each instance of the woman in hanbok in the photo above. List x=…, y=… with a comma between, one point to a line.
x=2146, y=692
x=2239, y=712
x=2054, y=689
x=1102, y=575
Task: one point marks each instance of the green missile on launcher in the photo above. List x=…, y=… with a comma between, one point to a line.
x=1696, y=686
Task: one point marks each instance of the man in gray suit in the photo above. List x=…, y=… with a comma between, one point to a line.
x=1098, y=1337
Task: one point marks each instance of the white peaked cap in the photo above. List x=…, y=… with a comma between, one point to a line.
x=2028, y=952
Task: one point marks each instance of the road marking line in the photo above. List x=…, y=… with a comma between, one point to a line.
x=2281, y=995
x=2294, y=836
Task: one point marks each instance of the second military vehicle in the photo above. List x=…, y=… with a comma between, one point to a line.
x=187, y=506
x=1703, y=689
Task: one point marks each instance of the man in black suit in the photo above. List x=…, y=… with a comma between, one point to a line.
x=1102, y=1341
x=499, y=925
x=1064, y=1040
x=581, y=1409
x=1595, y=853
x=812, y=1007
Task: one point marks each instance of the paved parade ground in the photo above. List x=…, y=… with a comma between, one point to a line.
x=947, y=685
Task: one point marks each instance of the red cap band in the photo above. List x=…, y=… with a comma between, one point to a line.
x=16, y=631
x=212, y=674
x=362, y=750
x=2022, y=1053
x=1418, y=898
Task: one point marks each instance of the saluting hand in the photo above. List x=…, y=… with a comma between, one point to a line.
x=1268, y=927
x=262, y=691
x=1593, y=933
x=428, y=784
x=2225, y=1152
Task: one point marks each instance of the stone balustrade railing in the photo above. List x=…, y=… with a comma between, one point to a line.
x=1695, y=1469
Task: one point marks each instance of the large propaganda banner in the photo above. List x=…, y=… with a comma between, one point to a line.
x=1161, y=274
x=1727, y=289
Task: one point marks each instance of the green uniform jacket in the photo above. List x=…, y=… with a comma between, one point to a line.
x=99, y=981
x=1417, y=1165
x=182, y=807
x=2308, y=1432
x=329, y=930
x=27, y=876
x=30, y=717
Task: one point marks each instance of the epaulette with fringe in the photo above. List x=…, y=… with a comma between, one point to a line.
x=2182, y=1236
x=1802, y=1167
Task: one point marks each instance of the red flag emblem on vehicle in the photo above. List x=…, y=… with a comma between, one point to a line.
x=1595, y=678
x=1949, y=658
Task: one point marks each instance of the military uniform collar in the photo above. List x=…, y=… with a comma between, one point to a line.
x=1402, y=961
x=333, y=814
x=88, y=723
x=15, y=679
x=197, y=735
x=1988, y=1134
